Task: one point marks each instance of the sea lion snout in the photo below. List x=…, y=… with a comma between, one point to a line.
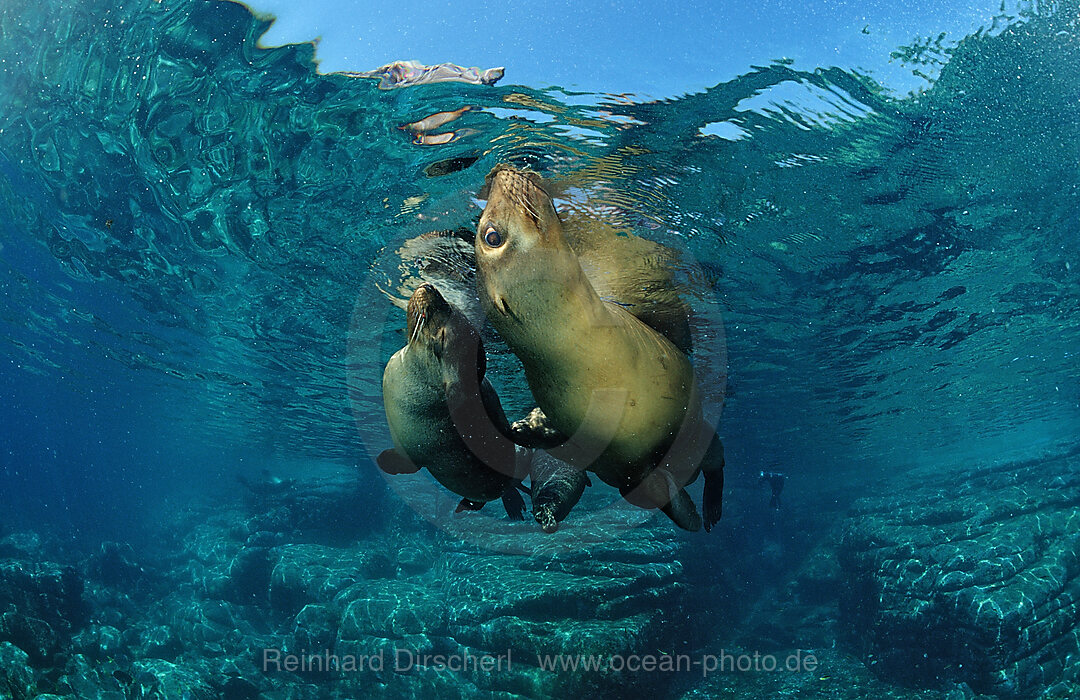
x=504, y=174
x=517, y=200
x=427, y=309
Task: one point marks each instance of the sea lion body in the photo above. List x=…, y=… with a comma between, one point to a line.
x=442, y=412
x=624, y=394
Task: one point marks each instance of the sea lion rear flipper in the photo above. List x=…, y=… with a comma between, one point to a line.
x=659, y=490
x=682, y=511
x=393, y=462
x=466, y=504
x=713, y=468
x=513, y=502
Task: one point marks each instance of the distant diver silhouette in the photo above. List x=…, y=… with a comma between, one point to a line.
x=775, y=480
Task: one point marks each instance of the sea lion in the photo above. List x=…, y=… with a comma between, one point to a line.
x=443, y=413
x=624, y=393
x=267, y=485
x=556, y=487
x=399, y=74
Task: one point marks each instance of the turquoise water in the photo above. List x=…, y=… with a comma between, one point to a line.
x=194, y=232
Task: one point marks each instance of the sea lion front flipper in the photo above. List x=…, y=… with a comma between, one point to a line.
x=712, y=467
x=513, y=503
x=393, y=462
x=545, y=516
x=466, y=504
x=534, y=431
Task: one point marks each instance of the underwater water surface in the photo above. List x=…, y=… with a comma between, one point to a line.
x=198, y=238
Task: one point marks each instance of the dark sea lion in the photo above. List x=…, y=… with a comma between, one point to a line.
x=442, y=412
x=624, y=393
x=556, y=489
x=267, y=485
x=556, y=486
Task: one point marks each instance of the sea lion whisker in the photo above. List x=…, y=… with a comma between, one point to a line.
x=523, y=201
x=419, y=326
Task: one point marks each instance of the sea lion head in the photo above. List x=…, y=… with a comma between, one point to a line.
x=440, y=337
x=519, y=241
x=519, y=212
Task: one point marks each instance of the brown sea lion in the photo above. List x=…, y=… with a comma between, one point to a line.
x=624, y=393
x=442, y=412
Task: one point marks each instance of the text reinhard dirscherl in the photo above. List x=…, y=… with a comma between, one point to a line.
x=408, y=660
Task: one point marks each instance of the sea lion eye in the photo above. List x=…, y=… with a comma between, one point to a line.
x=492, y=237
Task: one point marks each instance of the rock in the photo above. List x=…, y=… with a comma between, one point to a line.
x=157, y=678
x=324, y=508
x=21, y=545
x=98, y=642
x=114, y=565
x=16, y=676
x=159, y=642
x=83, y=679
x=392, y=610
x=250, y=576
x=42, y=592
x=30, y=634
x=529, y=594
x=239, y=689
x=970, y=578
x=315, y=629
x=309, y=573
x=414, y=559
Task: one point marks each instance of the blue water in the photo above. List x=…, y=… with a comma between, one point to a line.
x=194, y=232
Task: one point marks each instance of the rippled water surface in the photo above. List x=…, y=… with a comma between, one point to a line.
x=193, y=230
